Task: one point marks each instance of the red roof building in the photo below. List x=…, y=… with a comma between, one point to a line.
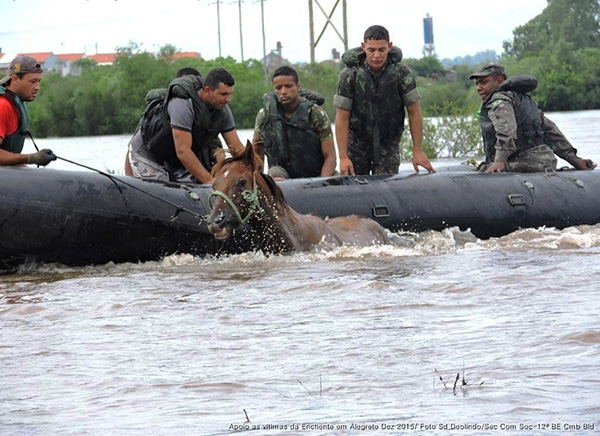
x=104, y=58
x=70, y=57
x=186, y=54
x=41, y=57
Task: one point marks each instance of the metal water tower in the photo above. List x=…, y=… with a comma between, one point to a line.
x=428, y=47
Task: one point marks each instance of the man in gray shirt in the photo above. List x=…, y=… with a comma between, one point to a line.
x=176, y=142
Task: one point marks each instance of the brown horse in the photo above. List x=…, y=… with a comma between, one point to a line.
x=249, y=208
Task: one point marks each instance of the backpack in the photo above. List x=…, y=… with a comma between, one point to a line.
x=154, y=118
x=523, y=84
x=313, y=96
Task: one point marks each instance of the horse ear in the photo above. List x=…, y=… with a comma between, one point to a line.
x=247, y=152
x=249, y=156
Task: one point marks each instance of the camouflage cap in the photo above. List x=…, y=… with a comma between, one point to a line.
x=487, y=69
x=24, y=64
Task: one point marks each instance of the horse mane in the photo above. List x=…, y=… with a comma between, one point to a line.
x=275, y=191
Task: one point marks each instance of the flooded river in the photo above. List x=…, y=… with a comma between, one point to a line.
x=447, y=334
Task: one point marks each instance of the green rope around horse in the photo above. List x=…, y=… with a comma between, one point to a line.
x=250, y=196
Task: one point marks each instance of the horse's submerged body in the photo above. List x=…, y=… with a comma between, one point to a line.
x=250, y=211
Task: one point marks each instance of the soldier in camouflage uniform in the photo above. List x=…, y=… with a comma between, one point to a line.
x=374, y=89
x=293, y=130
x=517, y=137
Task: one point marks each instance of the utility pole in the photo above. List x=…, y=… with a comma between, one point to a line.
x=311, y=26
x=218, y=2
x=241, y=37
x=262, y=15
x=313, y=43
x=345, y=25
x=219, y=24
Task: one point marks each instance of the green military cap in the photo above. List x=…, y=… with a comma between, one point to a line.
x=487, y=69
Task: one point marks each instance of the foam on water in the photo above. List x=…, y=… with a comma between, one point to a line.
x=403, y=245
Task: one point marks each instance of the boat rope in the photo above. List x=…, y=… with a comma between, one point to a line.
x=114, y=179
x=250, y=196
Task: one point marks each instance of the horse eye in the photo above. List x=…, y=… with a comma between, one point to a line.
x=242, y=183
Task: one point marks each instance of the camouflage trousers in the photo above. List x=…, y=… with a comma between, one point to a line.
x=144, y=168
x=362, y=157
x=535, y=160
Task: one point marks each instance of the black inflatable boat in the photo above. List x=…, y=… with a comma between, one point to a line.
x=85, y=218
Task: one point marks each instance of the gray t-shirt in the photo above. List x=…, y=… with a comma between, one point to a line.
x=181, y=114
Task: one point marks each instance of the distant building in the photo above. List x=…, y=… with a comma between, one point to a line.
x=335, y=59
x=450, y=75
x=67, y=63
x=103, y=59
x=273, y=61
x=185, y=55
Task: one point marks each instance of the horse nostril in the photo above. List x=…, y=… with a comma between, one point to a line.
x=220, y=217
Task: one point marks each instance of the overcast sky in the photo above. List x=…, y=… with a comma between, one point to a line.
x=461, y=27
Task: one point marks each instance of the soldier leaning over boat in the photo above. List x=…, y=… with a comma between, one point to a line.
x=293, y=130
x=517, y=137
x=374, y=89
x=176, y=140
x=20, y=85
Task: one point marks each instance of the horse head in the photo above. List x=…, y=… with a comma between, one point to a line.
x=242, y=196
x=235, y=198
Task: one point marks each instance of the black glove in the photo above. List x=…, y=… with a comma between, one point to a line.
x=42, y=157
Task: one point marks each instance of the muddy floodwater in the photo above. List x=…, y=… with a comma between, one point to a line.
x=442, y=334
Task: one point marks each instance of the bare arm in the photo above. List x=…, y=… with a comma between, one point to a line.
x=342, y=127
x=328, y=150
x=128, y=170
x=415, y=123
x=183, y=147
x=233, y=141
x=9, y=158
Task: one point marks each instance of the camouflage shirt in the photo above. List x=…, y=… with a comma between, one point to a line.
x=500, y=110
x=318, y=120
x=346, y=85
x=376, y=100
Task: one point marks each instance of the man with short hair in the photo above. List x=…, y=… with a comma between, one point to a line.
x=293, y=131
x=374, y=89
x=153, y=96
x=21, y=85
x=517, y=137
x=177, y=145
